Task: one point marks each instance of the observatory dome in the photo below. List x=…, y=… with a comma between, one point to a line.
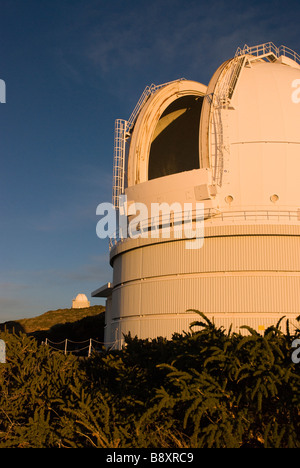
x=80, y=302
x=261, y=138
x=234, y=147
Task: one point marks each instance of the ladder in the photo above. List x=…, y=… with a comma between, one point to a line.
x=220, y=101
x=119, y=160
x=123, y=129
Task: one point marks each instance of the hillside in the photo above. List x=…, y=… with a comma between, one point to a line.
x=76, y=324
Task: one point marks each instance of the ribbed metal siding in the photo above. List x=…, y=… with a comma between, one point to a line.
x=221, y=294
x=166, y=327
x=257, y=276
x=126, y=300
x=246, y=253
x=146, y=327
x=127, y=266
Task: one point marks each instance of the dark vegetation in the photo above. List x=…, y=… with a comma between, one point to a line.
x=207, y=388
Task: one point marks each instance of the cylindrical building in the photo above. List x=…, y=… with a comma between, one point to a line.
x=233, y=146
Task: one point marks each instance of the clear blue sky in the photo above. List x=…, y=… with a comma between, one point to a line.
x=71, y=67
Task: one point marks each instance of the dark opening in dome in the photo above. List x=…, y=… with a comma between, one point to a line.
x=175, y=143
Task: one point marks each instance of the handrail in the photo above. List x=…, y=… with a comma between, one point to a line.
x=148, y=91
x=121, y=134
x=212, y=213
x=266, y=49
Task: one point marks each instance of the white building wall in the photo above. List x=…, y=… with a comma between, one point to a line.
x=248, y=270
x=237, y=278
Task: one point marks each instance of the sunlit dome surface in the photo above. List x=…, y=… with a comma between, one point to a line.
x=80, y=302
x=81, y=298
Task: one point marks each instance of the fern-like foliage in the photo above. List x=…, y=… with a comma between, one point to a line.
x=208, y=388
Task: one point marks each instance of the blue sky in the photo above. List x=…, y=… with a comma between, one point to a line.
x=71, y=67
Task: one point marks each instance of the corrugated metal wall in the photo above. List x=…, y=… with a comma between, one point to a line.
x=241, y=279
x=166, y=326
x=223, y=293
x=231, y=253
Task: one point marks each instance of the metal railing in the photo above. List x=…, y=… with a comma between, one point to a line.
x=263, y=50
x=148, y=91
x=224, y=92
x=220, y=100
x=80, y=348
x=122, y=133
x=176, y=220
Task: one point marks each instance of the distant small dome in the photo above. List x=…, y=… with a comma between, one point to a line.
x=80, y=302
x=81, y=298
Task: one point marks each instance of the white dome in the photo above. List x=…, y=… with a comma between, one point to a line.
x=81, y=298
x=80, y=302
x=262, y=138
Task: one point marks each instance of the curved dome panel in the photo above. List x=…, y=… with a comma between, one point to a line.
x=171, y=112
x=264, y=105
x=81, y=297
x=261, y=134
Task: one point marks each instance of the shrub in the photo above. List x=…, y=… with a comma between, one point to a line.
x=206, y=388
